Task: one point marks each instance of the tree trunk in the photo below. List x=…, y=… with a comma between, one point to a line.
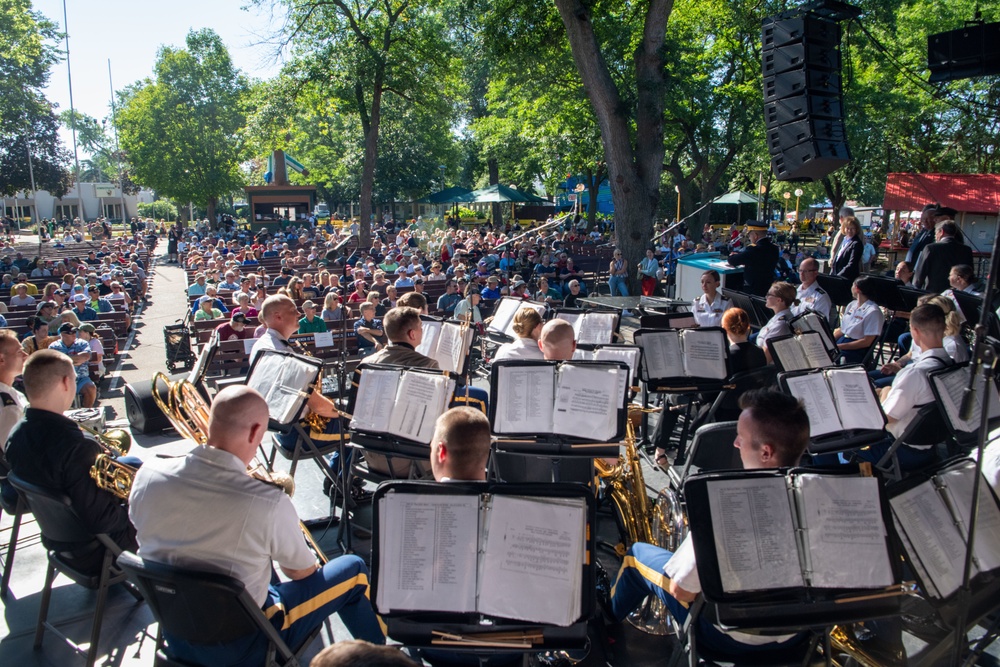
x=633, y=170
x=371, y=129
x=212, y=201
x=496, y=213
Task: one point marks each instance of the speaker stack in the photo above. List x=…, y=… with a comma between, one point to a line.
x=803, y=97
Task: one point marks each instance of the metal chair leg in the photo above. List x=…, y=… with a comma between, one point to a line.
x=43, y=609
x=8, y=560
x=102, y=597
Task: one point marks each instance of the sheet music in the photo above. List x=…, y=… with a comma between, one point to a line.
x=814, y=392
x=628, y=355
x=248, y=344
x=587, y=401
x=524, y=399
x=374, y=387
x=812, y=322
x=503, y=315
x=705, y=354
x=951, y=388
x=662, y=354
x=843, y=521
x=283, y=381
x=533, y=563
x=814, y=351
x=428, y=546
x=595, y=328
x=419, y=401
x=580, y=354
x=958, y=486
x=573, y=319
x=921, y=513
x=682, y=322
x=452, y=347
x=754, y=534
x=323, y=339
x=854, y=399
x=428, y=343
x=790, y=353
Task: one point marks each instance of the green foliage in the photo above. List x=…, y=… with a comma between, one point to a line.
x=28, y=125
x=159, y=209
x=181, y=130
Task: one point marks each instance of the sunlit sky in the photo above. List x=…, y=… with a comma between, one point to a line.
x=130, y=32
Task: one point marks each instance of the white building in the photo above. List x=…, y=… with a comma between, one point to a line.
x=87, y=201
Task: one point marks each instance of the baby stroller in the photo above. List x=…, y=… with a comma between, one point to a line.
x=177, y=340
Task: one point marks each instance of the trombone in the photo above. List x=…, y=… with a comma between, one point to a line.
x=188, y=412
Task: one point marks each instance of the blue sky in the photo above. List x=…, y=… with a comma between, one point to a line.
x=130, y=32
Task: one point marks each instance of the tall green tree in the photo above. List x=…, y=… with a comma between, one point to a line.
x=182, y=129
x=29, y=139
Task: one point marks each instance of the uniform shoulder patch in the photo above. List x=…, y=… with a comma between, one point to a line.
x=7, y=400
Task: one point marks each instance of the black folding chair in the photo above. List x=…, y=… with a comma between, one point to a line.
x=70, y=546
x=16, y=510
x=205, y=609
x=711, y=449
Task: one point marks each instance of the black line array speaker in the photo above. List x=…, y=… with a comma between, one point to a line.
x=965, y=53
x=803, y=98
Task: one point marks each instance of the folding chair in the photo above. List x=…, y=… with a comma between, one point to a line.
x=711, y=449
x=68, y=544
x=927, y=428
x=16, y=511
x=205, y=609
x=305, y=449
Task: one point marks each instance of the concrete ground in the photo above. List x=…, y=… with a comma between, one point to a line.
x=129, y=630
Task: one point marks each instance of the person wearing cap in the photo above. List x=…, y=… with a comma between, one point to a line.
x=235, y=329
x=206, y=310
x=21, y=296
x=98, y=302
x=83, y=312
x=88, y=332
x=309, y=323
x=403, y=279
x=937, y=259
x=104, y=288
x=758, y=260
x=79, y=352
x=492, y=289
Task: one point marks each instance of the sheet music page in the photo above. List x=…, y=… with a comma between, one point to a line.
x=428, y=344
x=323, y=339
x=574, y=319
x=661, y=354
x=579, y=354
x=596, y=328
x=428, y=546
x=417, y=406
x=811, y=322
x=814, y=392
x=951, y=386
x=855, y=400
x=815, y=353
x=754, y=534
x=843, y=521
x=518, y=305
x=705, y=354
x=503, y=315
x=450, y=352
x=533, y=565
x=958, y=486
x=628, y=355
x=789, y=352
x=922, y=514
x=283, y=382
x=587, y=400
x=248, y=345
x=683, y=322
x=374, y=387
x=524, y=396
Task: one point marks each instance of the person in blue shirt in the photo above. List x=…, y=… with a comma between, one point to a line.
x=79, y=351
x=492, y=289
x=447, y=301
x=368, y=330
x=216, y=303
x=83, y=312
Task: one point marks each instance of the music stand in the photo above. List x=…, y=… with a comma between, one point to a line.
x=837, y=287
x=286, y=381
x=970, y=304
x=745, y=302
x=418, y=620
x=885, y=293
x=910, y=296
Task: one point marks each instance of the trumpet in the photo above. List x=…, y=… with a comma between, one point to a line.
x=188, y=412
x=109, y=474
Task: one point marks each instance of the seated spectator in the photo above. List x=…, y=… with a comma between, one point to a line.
x=235, y=329
x=38, y=337
x=446, y=302
x=468, y=308
x=21, y=296
x=88, y=333
x=492, y=289
x=81, y=310
x=574, y=294
x=309, y=323
x=549, y=295
x=333, y=310
x=369, y=331
x=79, y=353
x=206, y=310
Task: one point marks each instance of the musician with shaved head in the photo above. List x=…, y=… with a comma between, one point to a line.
x=204, y=512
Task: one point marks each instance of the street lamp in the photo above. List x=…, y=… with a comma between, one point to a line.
x=677, y=189
x=798, y=193
x=441, y=167
x=787, y=196
x=762, y=191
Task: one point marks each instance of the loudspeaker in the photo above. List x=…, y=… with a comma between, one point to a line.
x=143, y=414
x=803, y=103
x=968, y=52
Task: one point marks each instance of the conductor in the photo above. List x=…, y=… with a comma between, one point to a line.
x=759, y=260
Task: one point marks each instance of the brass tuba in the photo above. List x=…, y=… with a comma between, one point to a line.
x=107, y=473
x=662, y=523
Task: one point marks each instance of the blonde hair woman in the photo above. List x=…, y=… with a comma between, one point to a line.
x=528, y=327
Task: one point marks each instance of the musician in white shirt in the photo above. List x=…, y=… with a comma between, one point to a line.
x=709, y=307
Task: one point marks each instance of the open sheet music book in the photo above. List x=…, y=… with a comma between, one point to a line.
x=949, y=387
x=505, y=556
x=813, y=321
x=689, y=353
x=595, y=327
x=627, y=354
x=285, y=380
x=795, y=530
x=447, y=342
x=800, y=352
x=418, y=397
x=836, y=400
x=571, y=399
x=503, y=314
x=932, y=520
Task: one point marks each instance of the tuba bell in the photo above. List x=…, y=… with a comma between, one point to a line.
x=662, y=523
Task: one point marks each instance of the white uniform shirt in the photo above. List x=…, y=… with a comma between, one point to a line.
x=955, y=346
x=911, y=389
x=862, y=320
x=709, y=314
x=270, y=340
x=12, y=405
x=683, y=571
x=776, y=326
x=813, y=298
x=204, y=511
x=520, y=348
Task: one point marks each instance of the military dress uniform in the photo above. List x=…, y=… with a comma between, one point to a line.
x=813, y=298
x=709, y=314
x=758, y=262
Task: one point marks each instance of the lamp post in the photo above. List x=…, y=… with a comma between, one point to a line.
x=787, y=196
x=798, y=193
x=762, y=191
x=677, y=189
x=513, y=216
x=441, y=167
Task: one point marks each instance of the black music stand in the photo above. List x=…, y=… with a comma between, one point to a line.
x=837, y=287
x=571, y=315
x=746, y=303
x=472, y=632
x=970, y=304
x=885, y=293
